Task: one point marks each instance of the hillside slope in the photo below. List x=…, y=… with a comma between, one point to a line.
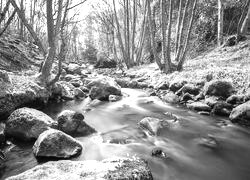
x=230, y=63
x=17, y=55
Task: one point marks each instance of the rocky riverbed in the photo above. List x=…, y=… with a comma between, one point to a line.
x=222, y=91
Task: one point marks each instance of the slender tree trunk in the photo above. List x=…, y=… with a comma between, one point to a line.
x=167, y=61
x=183, y=56
x=128, y=33
x=125, y=32
x=58, y=21
x=8, y=23
x=243, y=15
x=119, y=34
x=246, y=22
x=184, y=18
x=178, y=26
x=153, y=41
x=63, y=46
x=51, y=40
x=142, y=35
x=163, y=31
x=5, y=10
x=133, y=30
x=114, y=45
x=1, y=5
x=220, y=22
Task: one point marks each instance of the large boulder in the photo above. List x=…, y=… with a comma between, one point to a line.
x=79, y=94
x=222, y=108
x=73, y=69
x=106, y=63
x=102, y=87
x=236, y=99
x=103, y=61
x=241, y=113
x=175, y=85
x=109, y=169
x=123, y=82
x=152, y=125
x=73, y=123
x=55, y=143
x=221, y=88
x=186, y=97
x=64, y=90
x=70, y=77
x=212, y=100
x=199, y=106
x=19, y=91
x=188, y=88
x=171, y=98
x=27, y=124
x=76, y=82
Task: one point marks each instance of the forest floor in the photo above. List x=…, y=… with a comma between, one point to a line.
x=228, y=63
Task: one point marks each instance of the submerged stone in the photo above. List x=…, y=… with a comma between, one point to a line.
x=152, y=125
x=158, y=152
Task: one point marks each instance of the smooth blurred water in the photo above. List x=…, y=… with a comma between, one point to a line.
x=188, y=143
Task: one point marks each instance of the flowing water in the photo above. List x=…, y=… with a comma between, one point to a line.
x=196, y=147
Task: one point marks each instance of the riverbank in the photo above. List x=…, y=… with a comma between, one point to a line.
x=218, y=80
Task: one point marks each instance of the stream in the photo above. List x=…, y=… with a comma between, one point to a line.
x=196, y=147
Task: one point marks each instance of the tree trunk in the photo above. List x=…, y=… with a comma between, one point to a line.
x=142, y=35
x=220, y=23
x=21, y=22
x=133, y=30
x=51, y=40
x=167, y=61
x=58, y=21
x=178, y=26
x=246, y=23
x=183, y=56
x=8, y=23
x=63, y=47
x=163, y=31
x=128, y=34
x=153, y=41
x=184, y=17
x=5, y=9
x=242, y=18
x=119, y=34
